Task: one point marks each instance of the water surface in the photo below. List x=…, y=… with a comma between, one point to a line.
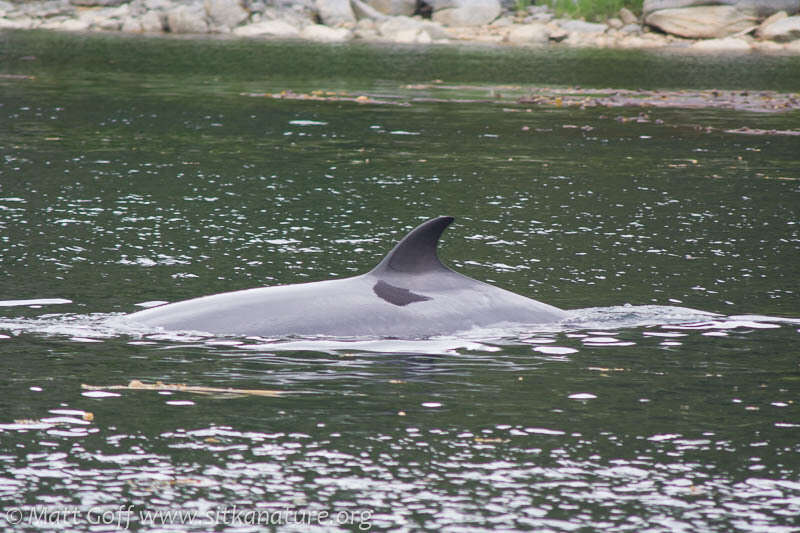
x=148, y=170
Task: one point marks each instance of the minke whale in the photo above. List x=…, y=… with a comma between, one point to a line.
x=410, y=294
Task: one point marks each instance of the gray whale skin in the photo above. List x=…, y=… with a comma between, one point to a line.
x=410, y=294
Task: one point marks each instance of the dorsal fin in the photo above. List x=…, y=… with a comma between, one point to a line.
x=416, y=253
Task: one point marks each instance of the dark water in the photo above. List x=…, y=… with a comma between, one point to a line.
x=141, y=170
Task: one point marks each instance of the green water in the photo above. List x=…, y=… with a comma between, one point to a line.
x=146, y=169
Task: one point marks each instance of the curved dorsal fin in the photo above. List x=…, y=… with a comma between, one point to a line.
x=416, y=252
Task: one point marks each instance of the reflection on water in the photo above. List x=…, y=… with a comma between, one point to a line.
x=666, y=401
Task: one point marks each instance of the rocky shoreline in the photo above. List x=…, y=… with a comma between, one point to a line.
x=692, y=25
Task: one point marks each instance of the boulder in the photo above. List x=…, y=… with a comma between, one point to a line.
x=131, y=25
x=466, y=12
x=152, y=22
x=579, y=26
x=528, y=34
x=98, y=3
x=759, y=8
x=580, y=33
x=366, y=29
x=160, y=5
x=409, y=35
x=643, y=40
x=783, y=30
x=556, y=32
x=704, y=22
x=187, y=19
x=364, y=11
x=318, y=32
x=400, y=29
x=46, y=9
x=772, y=18
x=224, y=15
x=16, y=23
x=105, y=18
x=627, y=16
x=268, y=28
x=334, y=12
x=393, y=7
x=65, y=24
x=505, y=22
x=629, y=29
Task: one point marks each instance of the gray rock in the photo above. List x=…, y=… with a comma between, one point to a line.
x=614, y=23
x=775, y=17
x=466, y=12
x=335, y=12
x=160, y=5
x=106, y=19
x=539, y=17
x=724, y=44
x=131, y=25
x=627, y=16
x=505, y=22
x=17, y=23
x=318, y=32
x=761, y=8
x=409, y=35
x=366, y=30
x=268, y=28
x=528, y=34
x=366, y=34
x=187, y=19
x=407, y=29
x=631, y=29
x=47, y=9
x=395, y=24
x=367, y=24
x=364, y=11
x=98, y=3
x=435, y=30
x=65, y=24
x=152, y=22
x=556, y=32
x=579, y=26
x=224, y=15
x=783, y=30
x=394, y=7
x=704, y=22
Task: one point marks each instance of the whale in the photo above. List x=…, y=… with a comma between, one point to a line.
x=410, y=294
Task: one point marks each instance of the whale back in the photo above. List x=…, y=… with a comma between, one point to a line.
x=409, y=294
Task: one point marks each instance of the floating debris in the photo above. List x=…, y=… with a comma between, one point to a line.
x=64, y=418
x=761, y=101
x=757, y=101
x=181, y=387
x=755, y=131
x=325, y=96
